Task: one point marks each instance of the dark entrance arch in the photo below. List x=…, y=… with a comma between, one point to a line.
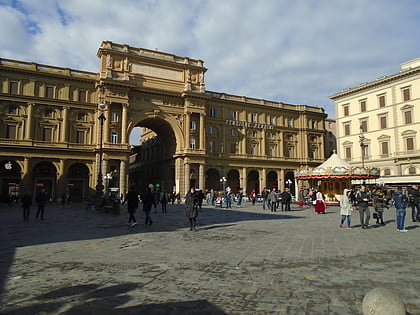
x=78, y=182
x=10, y=174
x=45, y=177
x=253, y=182
x=212, y=179
x=290, y=182
x=272, y=180
x=155, y=162
x=233, y=180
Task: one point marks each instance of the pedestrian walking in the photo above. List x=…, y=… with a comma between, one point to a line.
x=414, y=199
x=26, y=205
x=41, y=199
x=273, y=197
x=132, y=200
x=286, y=199
x=319, y=201
x=239, y=196
x=148, y=201
x=400, y=203
x=363, y=199
x=191, y=208
x=265, y=197
x=379, y=203
x=301, y=198
x=163, y=201
x=346, y=208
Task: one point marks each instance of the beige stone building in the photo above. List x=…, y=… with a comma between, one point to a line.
x=378, y=124
x=51, y=135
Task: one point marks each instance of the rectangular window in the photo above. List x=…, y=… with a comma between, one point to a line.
x=253, y=149
x=346, y=110
x=233, y=147
x=290, y=122
x=114, y=117
x=363, y=126
x=407, y=117
x=47, y=134
x=11, y=132
x=192, y=143
x=270, y=151
x=114, y=137
x=212, y=113
x=49, y=92
x=254, y=118
x=347, y=129
x=82, y=96
x=233, y=132
x=381, y=101
x=348, y=152
x=362, y=106
x=234, y=115
x=406, y=94
x=13, y=87
x=13, y=110
x=409, y=142
x=384, y=148
x=81, y=116
x=272, y=120
x=383, y=122
x=212, y=131
x=80, y=136
x=193, y=125
x=49, y=113
x=211, y=147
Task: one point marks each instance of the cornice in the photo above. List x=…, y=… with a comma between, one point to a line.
x=378, y=82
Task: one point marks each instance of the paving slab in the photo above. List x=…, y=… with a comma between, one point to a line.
x=240, y=261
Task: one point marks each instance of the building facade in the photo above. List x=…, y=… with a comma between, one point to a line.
x=378, y=125
x=51, y=136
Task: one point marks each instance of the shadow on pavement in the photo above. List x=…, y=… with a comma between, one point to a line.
x=74, y=222
x=94, y=299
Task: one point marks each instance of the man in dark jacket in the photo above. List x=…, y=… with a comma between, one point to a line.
x=414, y=198
x=148, y=201
x=400, y=203
x=286, y=199
x=132, y=200
x=363, y=199
x=41, y=199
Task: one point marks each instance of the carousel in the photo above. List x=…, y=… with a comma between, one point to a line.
x=334, y=175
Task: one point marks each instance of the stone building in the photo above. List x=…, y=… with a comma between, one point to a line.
x=51, y=135
x=378, y=125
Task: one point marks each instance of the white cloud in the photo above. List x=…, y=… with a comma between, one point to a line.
x=298, y=51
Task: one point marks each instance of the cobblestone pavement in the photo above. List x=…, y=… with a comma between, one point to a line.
x=240, y=261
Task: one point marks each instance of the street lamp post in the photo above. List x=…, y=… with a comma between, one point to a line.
x=223, y=182
x=362, y=139
x=99, y=185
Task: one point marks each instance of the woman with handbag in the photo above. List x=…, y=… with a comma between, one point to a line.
x=346, y=208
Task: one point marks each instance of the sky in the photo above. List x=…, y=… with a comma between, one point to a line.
x=291, y=51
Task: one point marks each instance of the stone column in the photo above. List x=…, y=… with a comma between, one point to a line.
x=186, y=177
x=202, y=132
x=123, y=177
x=187, y=130
x=263, y=149
x=64, y=134
x=178, y=175
x=201, y=177
x=263, y=178
x=26, y=176
x=282, y=180
x=244, y=180
x=29, y=122
x=107, y=138
x=124, y=119
x=61, y=182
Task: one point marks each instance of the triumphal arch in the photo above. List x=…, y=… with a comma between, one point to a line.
x=64, y=127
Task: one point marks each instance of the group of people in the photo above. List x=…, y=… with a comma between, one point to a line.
x=273, y=199
x=362, y=199
x=41, y=199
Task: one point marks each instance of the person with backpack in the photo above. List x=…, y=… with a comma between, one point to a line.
x=363, y=198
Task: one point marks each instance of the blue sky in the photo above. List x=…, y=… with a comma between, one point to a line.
x=293, y=51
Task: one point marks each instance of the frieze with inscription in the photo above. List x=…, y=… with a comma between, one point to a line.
x=248, y=124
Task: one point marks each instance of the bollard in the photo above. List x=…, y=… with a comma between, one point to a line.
x=382, y=301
